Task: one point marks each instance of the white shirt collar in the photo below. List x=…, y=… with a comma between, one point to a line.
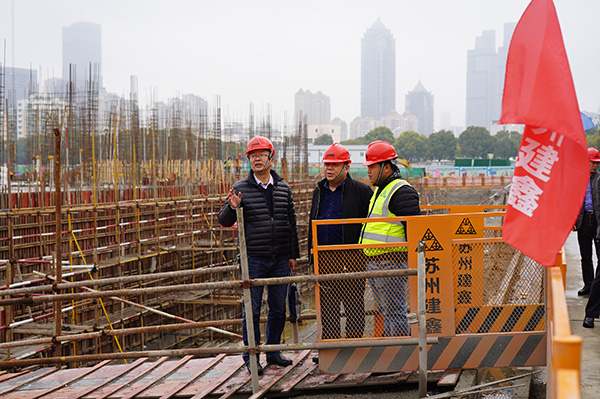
x=263, y=185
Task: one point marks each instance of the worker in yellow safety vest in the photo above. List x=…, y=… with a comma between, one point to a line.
x=393, y=196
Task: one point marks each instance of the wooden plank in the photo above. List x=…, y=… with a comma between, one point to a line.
x=305, y=370
x=234, y=387
x=25, y=381
x=61, y=384
x=352, y=380
x=9, y=376
x=198, y=373
x=118, y=387
x=449, y=378
x=264, y=387
x=218, y=381
x=318, y=380
x=115, y=376
x=169, y=370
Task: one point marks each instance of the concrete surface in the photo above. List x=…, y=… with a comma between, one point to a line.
x=590, y=351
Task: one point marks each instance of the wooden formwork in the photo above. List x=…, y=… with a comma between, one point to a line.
x=122, y=233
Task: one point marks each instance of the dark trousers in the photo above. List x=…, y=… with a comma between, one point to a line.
x=263, y=267
x=586, y=235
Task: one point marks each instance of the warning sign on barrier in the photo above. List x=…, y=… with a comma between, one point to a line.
x=465, y=228
x=484, y=300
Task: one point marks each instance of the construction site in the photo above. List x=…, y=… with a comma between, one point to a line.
x=111, y=252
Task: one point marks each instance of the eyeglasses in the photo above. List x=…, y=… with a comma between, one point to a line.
x=261, y=156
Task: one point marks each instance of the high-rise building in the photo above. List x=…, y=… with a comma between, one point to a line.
x=17, y=84
x=419, y=102
x=485, y=78
x=399, y=123
x=82, y=51
x=378, y=72
x=343, y=128
x=315, y=107
x=360, y=126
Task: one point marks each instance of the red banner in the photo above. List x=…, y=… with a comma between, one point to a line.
x=552, y=170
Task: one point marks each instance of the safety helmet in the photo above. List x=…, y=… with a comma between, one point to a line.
x=260, y=143
x=379, y=151
x=593, y=154
x=336, y=153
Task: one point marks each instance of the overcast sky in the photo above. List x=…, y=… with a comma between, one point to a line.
x=264, y=51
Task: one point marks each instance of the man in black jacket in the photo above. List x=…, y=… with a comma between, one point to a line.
x=271, y=239
x=338, y=196
x=586, y=224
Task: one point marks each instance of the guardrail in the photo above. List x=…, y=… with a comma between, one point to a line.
x=564, y=348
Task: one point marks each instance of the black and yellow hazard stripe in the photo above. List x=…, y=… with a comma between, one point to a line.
x=459, y=352
x=494, y=319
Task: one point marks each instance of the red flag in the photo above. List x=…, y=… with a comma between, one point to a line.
x=552, y=170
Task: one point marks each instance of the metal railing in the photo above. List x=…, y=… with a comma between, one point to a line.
x=564, y=348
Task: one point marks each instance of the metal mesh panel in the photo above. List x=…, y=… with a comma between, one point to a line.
x=497, y=289
x=363, y=308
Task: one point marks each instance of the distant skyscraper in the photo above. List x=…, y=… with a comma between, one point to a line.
x=485, y=78
x=378, y=72
x=18, y=83
x=316, y=107
x=82, y=49
x=419, y=102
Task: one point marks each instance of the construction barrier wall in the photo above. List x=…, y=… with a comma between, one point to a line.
x=484, y=299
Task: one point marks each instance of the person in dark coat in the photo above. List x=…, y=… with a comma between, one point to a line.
x=338, y=196
x=588, y=231
x=587, y=224
x=271, y=239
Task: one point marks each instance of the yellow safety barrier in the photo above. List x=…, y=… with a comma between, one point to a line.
x=485, y=301
x=564, y=350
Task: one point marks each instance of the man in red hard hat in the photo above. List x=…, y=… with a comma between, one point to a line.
x=586, y=224
x=271, y=239
x=393, y=196
x=587, y=232
x=338, y=196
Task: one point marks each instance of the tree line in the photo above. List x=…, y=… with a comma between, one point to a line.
x=474, y=142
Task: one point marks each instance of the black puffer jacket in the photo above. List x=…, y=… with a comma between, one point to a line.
x=265, y=235
x=355, y=204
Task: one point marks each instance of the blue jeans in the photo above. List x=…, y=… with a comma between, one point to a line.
x=390, y=297
x=263, y=267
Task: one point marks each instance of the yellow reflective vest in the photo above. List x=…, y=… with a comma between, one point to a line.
x=383, y=232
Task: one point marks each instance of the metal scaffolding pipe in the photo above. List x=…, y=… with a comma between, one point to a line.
x=135, y=330
x=209, y=285
x=116, y=280
x=214, y=351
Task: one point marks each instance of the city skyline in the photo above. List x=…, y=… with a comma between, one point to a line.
x=262, y=52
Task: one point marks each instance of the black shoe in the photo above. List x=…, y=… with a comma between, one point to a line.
x=279, y=360
x=315, y=359
x=588, y=322
x=259, y=368
x=583, y=291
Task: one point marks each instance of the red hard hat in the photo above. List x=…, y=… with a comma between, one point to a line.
x=336, y=153
x=379, y=151
x=260, y=143
x=593, y=154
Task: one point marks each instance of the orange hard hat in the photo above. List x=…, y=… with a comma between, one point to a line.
x=379, y=151
x=260, y=143
x=336, y=153
x=593, y=154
